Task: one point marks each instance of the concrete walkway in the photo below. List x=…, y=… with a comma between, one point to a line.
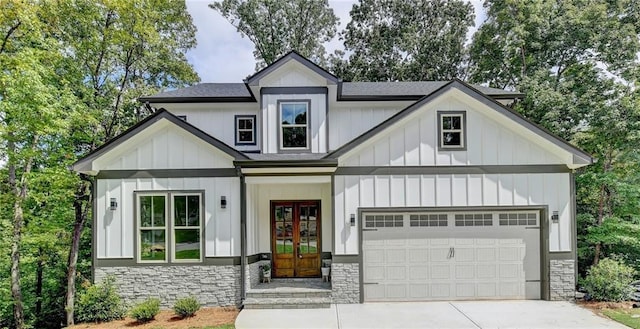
x=473, y=314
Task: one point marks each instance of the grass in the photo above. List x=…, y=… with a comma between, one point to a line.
x=288, y=249
x=188, y=254
x=624, y=316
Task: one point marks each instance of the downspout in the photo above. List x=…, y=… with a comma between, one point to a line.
x=243, y=236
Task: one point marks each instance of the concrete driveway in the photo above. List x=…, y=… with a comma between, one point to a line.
x=473, y=314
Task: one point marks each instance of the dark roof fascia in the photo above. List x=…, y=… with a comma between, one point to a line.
x=476, y=94
x=197, y=99
x=286, y=163
x=252, y=80
x=506, y=96
x=150, y=120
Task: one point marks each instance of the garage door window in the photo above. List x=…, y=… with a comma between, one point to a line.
x=428, y=220
x=383, y=221
x=518, y=219
x=474, y=219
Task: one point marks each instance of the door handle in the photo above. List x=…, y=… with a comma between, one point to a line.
x=298, y=251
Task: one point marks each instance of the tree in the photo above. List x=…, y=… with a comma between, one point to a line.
x=276, y=27
x=391, y=40
x=34, y=105
x=121, y=51
x=575, y=61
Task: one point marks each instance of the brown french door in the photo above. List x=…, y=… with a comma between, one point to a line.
x=295, y=238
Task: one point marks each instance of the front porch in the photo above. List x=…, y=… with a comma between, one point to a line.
x=289, y=293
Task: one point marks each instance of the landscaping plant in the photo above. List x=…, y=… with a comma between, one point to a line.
x=100, y=303
x=146, y=311
x=610, y=281
x=186, y=307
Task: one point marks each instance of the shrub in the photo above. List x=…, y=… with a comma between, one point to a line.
x=610, y=281
x=186, y=307
x=146, y=311
x=100, y=303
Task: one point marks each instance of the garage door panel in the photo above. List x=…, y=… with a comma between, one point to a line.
x=483, y=260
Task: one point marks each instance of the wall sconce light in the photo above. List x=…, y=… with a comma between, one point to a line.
x=113, y=204
x=555, y=217
x=353, y=220
x=223, y=202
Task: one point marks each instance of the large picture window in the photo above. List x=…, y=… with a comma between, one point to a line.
x=294, y=125
x=165, y=235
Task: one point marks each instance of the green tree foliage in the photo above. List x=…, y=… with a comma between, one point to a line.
x=71, y=75
x=390, y=40
x=276, y=27
x=609, y=280
x=577, y=62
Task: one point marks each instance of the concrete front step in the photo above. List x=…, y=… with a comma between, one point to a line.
x=310, y=293
x=287, y=302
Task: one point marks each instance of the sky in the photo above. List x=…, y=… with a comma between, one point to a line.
x=222, y=55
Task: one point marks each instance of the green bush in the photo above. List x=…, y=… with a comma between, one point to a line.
x=100, y=303
x=610, y=281
x=186, y=307
x=146, y=311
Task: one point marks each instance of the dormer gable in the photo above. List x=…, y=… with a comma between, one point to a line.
x=292, y=70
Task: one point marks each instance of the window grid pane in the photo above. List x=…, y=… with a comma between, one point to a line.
x=293, y=125
x=478, y=219
x=428, y=220
x=452, y=130
x=518, y=219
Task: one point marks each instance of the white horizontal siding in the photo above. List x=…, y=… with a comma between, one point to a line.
x=164, y=146
x=317, y=120
x=490, y=139
x=115, y=235
x=353, y=192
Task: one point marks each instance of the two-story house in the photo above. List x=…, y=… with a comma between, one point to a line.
x=432, y=190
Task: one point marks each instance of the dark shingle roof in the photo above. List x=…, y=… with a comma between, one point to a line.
x=408, y=88
x=239, y=92
x=284, y=157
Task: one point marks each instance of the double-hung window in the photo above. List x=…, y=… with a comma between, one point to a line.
x=245, y=129
x=169, y=227
x=294, y=125
x=452, y=131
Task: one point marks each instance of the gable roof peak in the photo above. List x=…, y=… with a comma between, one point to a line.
x=254, y=79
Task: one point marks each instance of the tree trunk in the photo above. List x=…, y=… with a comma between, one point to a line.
x=81, y=207
x=601, y=204
x=39, y=274
x=16, y=292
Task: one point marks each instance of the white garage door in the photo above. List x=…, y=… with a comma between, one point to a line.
x=451, y=256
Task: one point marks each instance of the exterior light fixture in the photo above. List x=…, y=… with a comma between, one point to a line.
x=555, y=217
x=353, y=220
x=113, y=204
x=223, y=202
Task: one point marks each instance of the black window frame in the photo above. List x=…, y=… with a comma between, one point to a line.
x=462, y=130
x=236, y=129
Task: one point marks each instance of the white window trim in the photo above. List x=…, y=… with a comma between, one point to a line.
x=252, y=118
x=173, y=228
x=140, y=228
x=306, y=125
x=462, y=131
x=168, y=228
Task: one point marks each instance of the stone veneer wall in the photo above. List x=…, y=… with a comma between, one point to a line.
x=253, y=272
x=345, y=283
x=562, y=279
x=211, y=285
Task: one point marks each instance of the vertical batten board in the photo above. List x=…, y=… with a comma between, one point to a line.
x=565, y=210
x=398, y=196
x=412, y=144
x=428, y=191
x=505, y=147
x=350, y=120
x=459, y=190
x=489, y=143
x=474, y=190
x=161, y=145
x=505, y=191
x=381, y=191
x=351, y=204
x=521, y=154
x=536, y=188
x=101, y=219
x=428, y=141
x=490, y=188
x=551, y=199
x=381, y=152
x=397, y=148
x=129, y=215
x=114, y=220
x=521, y=189
x=443, y=190
x=412, y=191
x=339, y=220
x=367, y=185
x=475, y=132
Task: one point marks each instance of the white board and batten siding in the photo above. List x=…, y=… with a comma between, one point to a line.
x=491, y=140
x=317, y=120
x=165, y=146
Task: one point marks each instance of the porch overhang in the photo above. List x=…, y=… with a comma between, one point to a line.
x=287, y=167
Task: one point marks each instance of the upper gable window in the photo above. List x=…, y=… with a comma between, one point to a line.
x=452, y=130
x=245, y=129
x=294, y=125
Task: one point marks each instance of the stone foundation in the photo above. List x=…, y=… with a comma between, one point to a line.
x=211, y=285
x=345, y=283
x=562, y=280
